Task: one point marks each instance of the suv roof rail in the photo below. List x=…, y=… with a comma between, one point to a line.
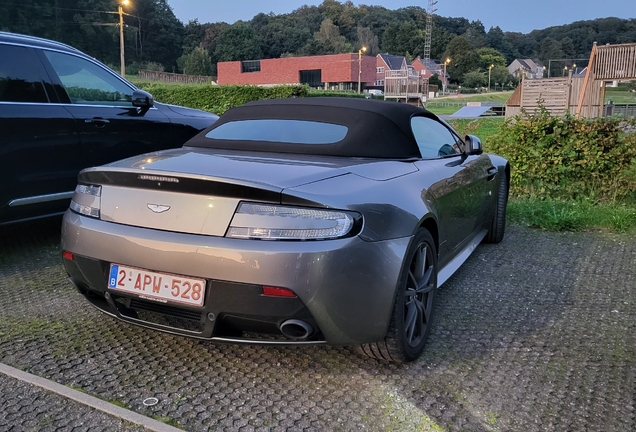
x=41, y=41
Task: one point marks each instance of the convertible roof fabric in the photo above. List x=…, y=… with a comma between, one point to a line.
x=376, y=129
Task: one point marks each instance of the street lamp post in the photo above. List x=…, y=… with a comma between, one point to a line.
x=121, y=37
x=360, y=51
x=565, y=69
x=489, y=71
x=445, y=82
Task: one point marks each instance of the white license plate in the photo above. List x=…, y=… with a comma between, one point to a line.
x=156, y=286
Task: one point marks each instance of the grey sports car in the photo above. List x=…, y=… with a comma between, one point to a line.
x=292, y=221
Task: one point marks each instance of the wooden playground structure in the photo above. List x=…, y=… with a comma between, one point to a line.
x=581, y=96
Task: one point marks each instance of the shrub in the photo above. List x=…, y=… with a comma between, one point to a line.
x=218, y=99
x=566, y=157
x=197, y=62
x=334, y=93
x=154, y=66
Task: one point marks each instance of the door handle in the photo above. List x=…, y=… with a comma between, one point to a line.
x=97, y=121
x=491, y=173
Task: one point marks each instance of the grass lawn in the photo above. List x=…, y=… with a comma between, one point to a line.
x=481, y=127
x=573, y=215
x=500, y=97
x=440, y=109
x=450, y=104
x=620, y=95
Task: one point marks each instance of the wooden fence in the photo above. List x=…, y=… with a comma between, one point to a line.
x=557, y=95
x=176, y=78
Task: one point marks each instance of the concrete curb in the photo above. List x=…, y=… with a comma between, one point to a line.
x=87, y=400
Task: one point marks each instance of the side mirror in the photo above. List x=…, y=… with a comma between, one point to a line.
x=473, y=145
x=142, y=99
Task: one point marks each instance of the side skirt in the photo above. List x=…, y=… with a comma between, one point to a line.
x=450, y=268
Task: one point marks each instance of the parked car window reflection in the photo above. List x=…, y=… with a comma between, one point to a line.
x=87, y=83
x=433, y=138
x=18, y=80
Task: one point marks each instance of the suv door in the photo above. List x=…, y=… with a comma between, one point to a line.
x=40, y=153
x=101, y=102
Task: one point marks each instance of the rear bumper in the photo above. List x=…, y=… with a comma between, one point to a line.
x=345, y=288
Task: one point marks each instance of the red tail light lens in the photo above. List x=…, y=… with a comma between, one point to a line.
x=67, y=255
x=277, y=292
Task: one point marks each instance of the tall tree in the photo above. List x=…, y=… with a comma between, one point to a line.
x=496, y=39
x=476, y=34
x=281, y=34
x=193, y=34
x=238, y=42
x=197, y=62
x=550, y=50
x=328, y=40
x=159, y=32
x=490, y=56
x=400, y=39
x=210, y=42
x=366, y=38
x=463, y=58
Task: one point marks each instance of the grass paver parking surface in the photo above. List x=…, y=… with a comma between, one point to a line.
x=537, y=333
x=27, y=408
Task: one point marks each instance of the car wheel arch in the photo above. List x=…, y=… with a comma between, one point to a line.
x=429, y=223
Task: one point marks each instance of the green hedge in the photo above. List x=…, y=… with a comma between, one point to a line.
x=218, y=99
x=566, y=157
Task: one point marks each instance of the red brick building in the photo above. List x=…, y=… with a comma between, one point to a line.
x=331, y=72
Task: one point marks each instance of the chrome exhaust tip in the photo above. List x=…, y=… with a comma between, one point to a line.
x=296, y=329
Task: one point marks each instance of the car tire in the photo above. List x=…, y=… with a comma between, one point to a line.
x=498, y=223
x=413, y=307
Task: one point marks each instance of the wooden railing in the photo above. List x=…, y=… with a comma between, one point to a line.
x=402, y=83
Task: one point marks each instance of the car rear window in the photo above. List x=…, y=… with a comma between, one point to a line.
x=283, y=131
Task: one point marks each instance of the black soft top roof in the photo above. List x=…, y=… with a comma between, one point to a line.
x=376, y=129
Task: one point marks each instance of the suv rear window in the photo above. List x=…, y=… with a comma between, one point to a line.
x=283, y=131
x=19, y=81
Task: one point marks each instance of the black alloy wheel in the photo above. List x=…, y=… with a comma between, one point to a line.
x=419, y=296
x=414, y=305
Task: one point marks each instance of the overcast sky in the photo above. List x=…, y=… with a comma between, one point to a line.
x=511, y=15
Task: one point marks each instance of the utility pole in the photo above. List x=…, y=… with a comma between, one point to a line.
x=360, y=51
x=121, y=37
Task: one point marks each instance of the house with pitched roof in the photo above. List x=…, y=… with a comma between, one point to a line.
x=399, y=79
x=428, y=68
x=526, y=68
x=387, y=62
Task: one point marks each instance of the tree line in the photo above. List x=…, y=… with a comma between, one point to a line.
x=156, y=39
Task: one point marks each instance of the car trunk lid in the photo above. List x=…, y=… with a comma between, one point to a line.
x=191, y=192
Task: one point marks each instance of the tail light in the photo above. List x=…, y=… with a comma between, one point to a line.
x=274, y=222
x=87, y=200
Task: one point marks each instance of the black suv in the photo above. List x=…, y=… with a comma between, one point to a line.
x=61, y=111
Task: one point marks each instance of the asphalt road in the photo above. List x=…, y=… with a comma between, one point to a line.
x=537, y=333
